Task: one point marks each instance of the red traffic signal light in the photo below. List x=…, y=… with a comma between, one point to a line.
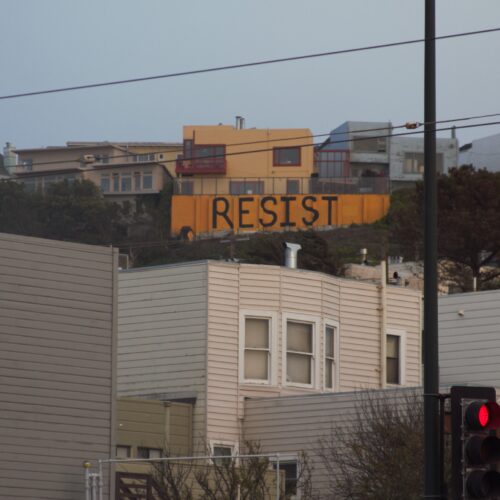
x=475, y=446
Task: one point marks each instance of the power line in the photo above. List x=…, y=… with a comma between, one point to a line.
x=328, y=134
x=245, y=65
x=313, y=144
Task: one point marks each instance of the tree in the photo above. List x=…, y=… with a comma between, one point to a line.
x=249, y=477
x=468, y=224
x=379, y=453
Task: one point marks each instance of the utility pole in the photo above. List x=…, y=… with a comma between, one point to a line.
x=431, y=360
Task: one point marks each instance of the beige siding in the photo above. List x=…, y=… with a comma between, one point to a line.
x=162, y=335
x=356, y=307
x=56, y=364
x=154, y=424
x=290, y=425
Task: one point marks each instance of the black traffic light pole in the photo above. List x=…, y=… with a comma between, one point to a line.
x=431, y=374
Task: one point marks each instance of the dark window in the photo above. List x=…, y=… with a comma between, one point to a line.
x=222, y=451
x=137, y=181
x=147, y=180
x=187, y=187
x=105, y=183
x=393, y=359
x=286, y=157
x=290, y=469
x=126, y=183
x=292, y=186
x=246, y=187
x=148, y=452
x=116, y=183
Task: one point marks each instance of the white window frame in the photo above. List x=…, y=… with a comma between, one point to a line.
x=289, y=458
x=336, y=354
x=213, y=443
x=402, y=355
x=273, y=346
x=315, y=368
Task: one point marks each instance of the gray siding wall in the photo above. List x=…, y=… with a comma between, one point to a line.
x=162, y=324
x=56, y=365
x=297, y=423
x=469, y=343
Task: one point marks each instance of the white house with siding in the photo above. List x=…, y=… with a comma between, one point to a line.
x=220, y=332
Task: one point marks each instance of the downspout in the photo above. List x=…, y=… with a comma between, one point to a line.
x=383, y=324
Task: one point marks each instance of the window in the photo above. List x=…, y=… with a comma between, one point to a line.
x=286, y=157
x=291, y=470
x=257, y=349
x=258, y=362
x=147, y=180
x=330, y=352
x=27, y=164
x=369, y=144
x=395, y=348
x=246, y=187
x=144, y=157
x=126, y=183
x=148, y=452
x=116, y=183
x=414, y=163
x=292, y=186
x=222, y=449
x=299, y=353
x=105, y=186
x=187, y=187
x=122, y=451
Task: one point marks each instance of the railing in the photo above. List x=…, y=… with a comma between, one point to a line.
x=280, y=185
x=208, y=166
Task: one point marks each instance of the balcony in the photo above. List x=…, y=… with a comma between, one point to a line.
x=210, y=166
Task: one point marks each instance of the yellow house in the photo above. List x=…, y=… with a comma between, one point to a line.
x=228, y=160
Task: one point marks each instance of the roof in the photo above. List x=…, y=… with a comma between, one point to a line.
x=100, y=144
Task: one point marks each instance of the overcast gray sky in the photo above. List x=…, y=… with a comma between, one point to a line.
x=57, y=43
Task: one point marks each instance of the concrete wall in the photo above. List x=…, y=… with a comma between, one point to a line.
x=483, y=153
x=57, y=364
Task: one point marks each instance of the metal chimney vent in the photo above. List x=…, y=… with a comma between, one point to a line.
x=291, y=251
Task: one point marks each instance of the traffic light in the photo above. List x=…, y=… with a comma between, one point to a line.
x=475, y=445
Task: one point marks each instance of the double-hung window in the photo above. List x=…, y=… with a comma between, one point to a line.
x=330, y=356
x=395, y=360
x=299, y=352
x=257, y=347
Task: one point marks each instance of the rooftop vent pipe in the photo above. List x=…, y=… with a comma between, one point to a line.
x=240, y=122
x=291, y=251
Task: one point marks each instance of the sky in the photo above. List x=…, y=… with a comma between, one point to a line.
x=56, y=43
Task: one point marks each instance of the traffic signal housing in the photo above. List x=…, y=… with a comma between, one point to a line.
x=475, y=445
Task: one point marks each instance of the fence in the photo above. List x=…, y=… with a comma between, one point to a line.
x=280, y=185
x=135, y=481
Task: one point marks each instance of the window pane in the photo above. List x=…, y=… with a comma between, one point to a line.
x=142, y=452
x=328, y=373
x=154, y=453
x=392, y=371
x=126, y=182
x=222, y=451
x=116, y=183
x=105, y=183
x=329, y=342
x=298, y=368
x=392, y=346
x=256, y=364
x=286, y=156
x=299, y=337
x=147, y=180
x=292, y=187
x=137, y=181
x=257, y=333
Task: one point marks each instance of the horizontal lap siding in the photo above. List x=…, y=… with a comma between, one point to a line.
x=56, y=342
x=162, y=328
x=404, y=313
x=222, y=369
x=290, y=425
x=469, y=344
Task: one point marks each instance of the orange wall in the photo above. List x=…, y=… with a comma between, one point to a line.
x=260, y=163
x=214, y=214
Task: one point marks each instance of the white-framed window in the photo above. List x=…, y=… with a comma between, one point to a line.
x=222, y=449
x=258, y=347
x=395, y=357
x=289, y=468
x=331, y=355
x=299, y=350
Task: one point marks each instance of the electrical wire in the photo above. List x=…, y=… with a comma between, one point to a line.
x=313, y=144
x=245, y=65
x=328, y=134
